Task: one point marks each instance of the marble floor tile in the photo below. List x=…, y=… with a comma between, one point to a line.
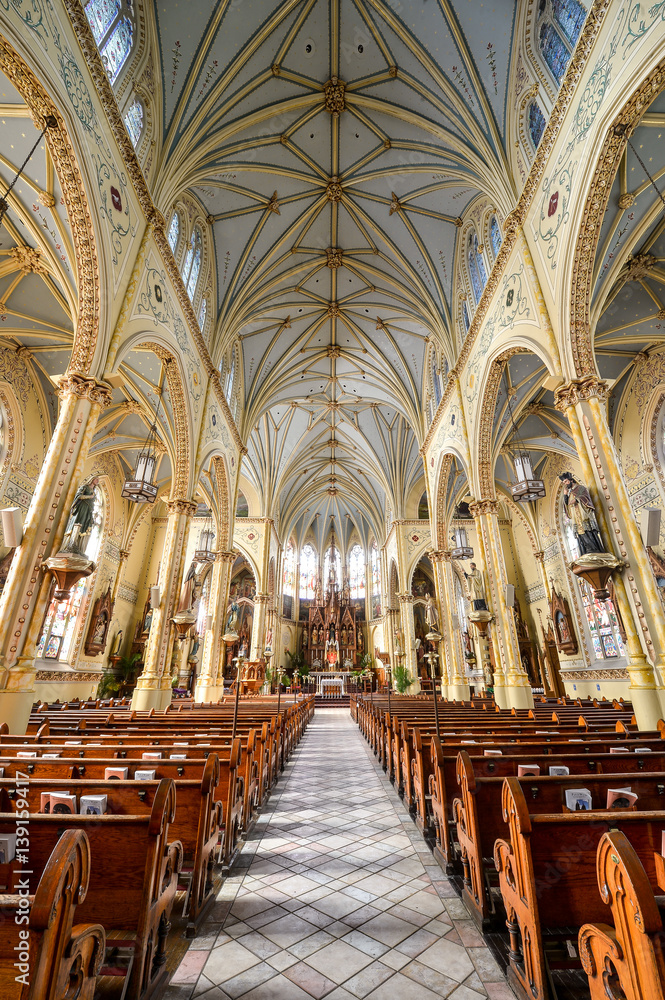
x=336, y=896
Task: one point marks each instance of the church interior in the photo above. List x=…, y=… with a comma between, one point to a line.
x=356, y=594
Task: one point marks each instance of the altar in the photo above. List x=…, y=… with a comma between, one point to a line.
x=330, y=681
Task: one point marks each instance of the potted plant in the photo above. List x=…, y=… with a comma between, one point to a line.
x=119, y=681
x=402, y=678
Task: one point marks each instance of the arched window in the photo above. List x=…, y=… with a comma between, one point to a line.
x=536, y=123
x=62, y=617
x=202, y=313
x=375, y=558
x=242, y=507
x=460, y=605
x=465, y=317
x=308, y=567
x=559, y=26
x=112, y=23
x=134, y=121
x=192, y=265
x=288, y=573
x=357, y=571
x=174, y=231
x=204, y=600
x=436, y=382
x=477, y=270
x=229, y=380
x=495, y=235
x=423, y=507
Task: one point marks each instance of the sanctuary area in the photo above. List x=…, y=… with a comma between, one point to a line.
x=302, y=585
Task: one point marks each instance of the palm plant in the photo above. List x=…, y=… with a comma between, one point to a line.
x=402, y=678
x=118, y=681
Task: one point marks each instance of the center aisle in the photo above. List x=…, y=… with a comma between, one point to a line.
x=336, y=895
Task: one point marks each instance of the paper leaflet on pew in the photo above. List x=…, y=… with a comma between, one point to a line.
x=621, y=798
x=93, y=805
x=524, y=769
x=559, y=770
x=57, y=802
x=578, y=799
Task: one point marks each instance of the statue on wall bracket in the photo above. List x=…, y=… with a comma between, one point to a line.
x=71, y=563
x=594, y=564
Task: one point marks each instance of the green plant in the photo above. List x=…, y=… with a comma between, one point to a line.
x=367, y=662
x=296, y=662
x=402, y=679
x=121, y=678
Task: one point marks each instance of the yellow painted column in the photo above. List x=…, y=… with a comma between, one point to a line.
x=518, y=691
x=408, y=628
x=458, y=686
x=447, y=644
x=482, y=562
x=153, y=688
x=581, y=400
x=210, y=682
x=26, y=594
x=259, y=626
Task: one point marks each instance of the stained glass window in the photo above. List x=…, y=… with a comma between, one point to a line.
x=554, y=51
x=357, y=571
x=570, y=16
x=204, y=599
x=465, y=317
x=288, y=572
x=192, y=265
x=229, y=380
x=536, y=123
x=474, y=274
x=375, y=559
x=174, y=231
x=481, y=263
x=114, y=52
x=134, y=121
x=308, y=564
x=495, y=235
x=101, y=14
x=62, y=617
x=202, y=313
x=436, y=382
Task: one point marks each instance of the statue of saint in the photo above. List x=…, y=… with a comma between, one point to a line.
x=315, y=636
x=476, y=587
x=117, y=644
x=80, y=520
x=188, y=592
x=344, y=637
x=580, y=511
x=360, y=640
x=318, y=592
x=431, y=613
x=304, y=638
x=487, y=674
x=346, y=590
x=232, y=621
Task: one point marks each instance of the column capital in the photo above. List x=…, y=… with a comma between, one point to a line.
x=85, y=387
x=124, y=553
x=405, y=598
x=578, y=390
x=227, y=557
x=485, y=505
x=540, y=557
x=439, y=555
x=261, y=598
x=178, y=505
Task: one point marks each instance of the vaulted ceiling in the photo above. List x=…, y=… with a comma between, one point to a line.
x=334, y=145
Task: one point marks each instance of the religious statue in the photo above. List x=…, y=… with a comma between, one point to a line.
x=315, y=636
x=468, y=646
x=431, y=613
x=476, y=587
x=487, y=674
x=344, y=637
x=580, y=511
x=232, y=622
x=399, y=641
x=346, y=591
x=318, y=591
x=304, y=638
x=331, y=632
x=80, y=520
x=117, y=644
x=147, y=621
x=188, y=594
x=360, y=640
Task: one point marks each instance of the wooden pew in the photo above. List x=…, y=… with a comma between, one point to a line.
x=197, y=824
x=629, y=953
x=133, y=880
x=547, y=876
x=43, y=955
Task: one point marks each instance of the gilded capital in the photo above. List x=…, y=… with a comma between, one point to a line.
x=177, y=505
x=483, y=506
x=540, y=556
x=437, y=556
x=85, y=387
x=578, y=390
x=405, y=598
x=227, y=557
x=261, y=598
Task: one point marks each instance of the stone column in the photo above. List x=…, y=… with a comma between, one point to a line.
x=27, y=590
x=409, y=630
x=517, y=690
x=458, y=687
x=153, y=688
x=210, y=681
x=446, y=648
x=259, y=625
x=581, y=401
x=482, y=562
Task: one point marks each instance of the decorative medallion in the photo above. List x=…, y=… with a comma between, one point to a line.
x=333, y=93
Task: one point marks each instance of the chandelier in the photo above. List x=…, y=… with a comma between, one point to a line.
x=141, y=488
x=526, y=488
x=205, y=552
x=461, y=548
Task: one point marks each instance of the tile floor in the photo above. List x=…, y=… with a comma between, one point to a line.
x=336, y=895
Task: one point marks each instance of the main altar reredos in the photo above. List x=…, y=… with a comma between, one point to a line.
x=331, y=635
